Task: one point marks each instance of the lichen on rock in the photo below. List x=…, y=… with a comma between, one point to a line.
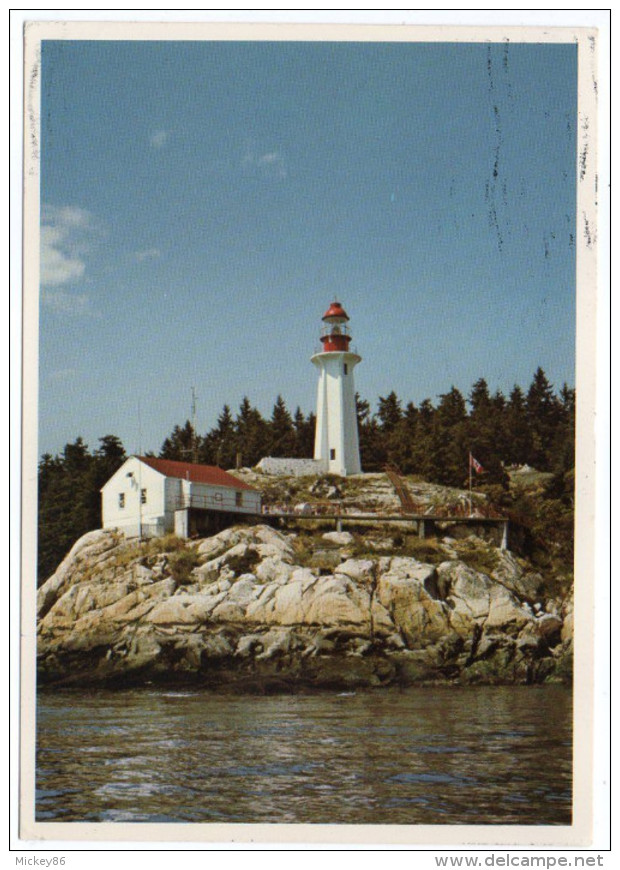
x=249, y=616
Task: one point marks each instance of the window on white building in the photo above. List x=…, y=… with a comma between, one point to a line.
x=143, y=496
x=238, y=499
x=121, y=499
x=346, y=369
x=332, y=453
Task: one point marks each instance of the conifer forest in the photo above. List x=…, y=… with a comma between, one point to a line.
x=432, y=440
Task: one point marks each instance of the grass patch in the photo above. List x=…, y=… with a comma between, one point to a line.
x=477, y=556
x=182, y=557
x=167, y=544
x=423, y=549
x=411, y=546
x=289, y=491
x=427, y=550
x=304, y=546
x=529, y=480
x=124, y=556
x=181, y=564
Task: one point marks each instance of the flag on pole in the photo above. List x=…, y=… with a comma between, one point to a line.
x=473, y=463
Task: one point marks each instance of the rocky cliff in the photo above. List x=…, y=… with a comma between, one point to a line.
x=259, y=609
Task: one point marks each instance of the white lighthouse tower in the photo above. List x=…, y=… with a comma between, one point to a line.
x=336, y=442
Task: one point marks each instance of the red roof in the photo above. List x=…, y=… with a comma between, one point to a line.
x=336, y=310
x=196, y=473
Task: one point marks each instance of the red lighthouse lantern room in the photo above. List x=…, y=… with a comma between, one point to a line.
x=335, y=333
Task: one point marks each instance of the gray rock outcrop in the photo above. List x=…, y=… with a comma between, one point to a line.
x=248, y=609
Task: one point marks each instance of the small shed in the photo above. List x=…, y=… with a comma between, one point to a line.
x=149, y=497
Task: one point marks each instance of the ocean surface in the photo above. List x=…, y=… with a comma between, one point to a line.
x=472, y=755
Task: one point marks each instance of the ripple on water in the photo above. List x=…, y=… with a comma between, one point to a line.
x=432, y=778
x=413, y=757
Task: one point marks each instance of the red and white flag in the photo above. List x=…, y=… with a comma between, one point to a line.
x=473, y=463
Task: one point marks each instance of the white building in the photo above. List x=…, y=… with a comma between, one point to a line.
x=336, y=442
x=150, y=497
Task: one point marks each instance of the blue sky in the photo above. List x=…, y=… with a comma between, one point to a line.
x=203, y=203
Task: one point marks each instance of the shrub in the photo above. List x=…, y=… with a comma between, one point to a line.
x=167, y=544
x=423, y=549
x=181, y=564
x=477, y=556
x=303, y=547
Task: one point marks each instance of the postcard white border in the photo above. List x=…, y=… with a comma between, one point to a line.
x=580, y=832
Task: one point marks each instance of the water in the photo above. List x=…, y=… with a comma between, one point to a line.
x=473, y=755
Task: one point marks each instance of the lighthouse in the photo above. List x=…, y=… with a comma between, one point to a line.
x=336, y=442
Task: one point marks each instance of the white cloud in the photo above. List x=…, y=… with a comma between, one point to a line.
x=67, y=216
x=270, y=164
x=148, y=254
x=58, y=266
x=159, y=138
x=66, y=236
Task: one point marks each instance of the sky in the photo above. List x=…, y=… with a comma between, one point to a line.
x=202, y=203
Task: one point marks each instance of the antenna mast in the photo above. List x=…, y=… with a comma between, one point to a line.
x=139, y=428
x=194, y=445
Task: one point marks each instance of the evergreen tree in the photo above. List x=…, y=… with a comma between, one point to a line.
x=111, y=450
x=479, y=399
x=501, y=440
x=450, y=438
x=543, y=414
x=219, y=446
x=373, y=454
x=252, y=434
x=451, y=410
x=424, y=457
x=183, y=445
x=281, y=430
x=389, y=412
x=562, y=485
x=567, y=399
x=108, y=457
x=69, y=497
x=55, y=535
x=304, y=434
x=498, y=402
x=49, y=468
x=519, y=436
x=482, y=425
x=486, y=431
x=402, y=441
x=411, y=414
x=393, y=434
x=244, y=415
x=433, y=442
x=362, y=409
x=81, y=511
x=76, y=457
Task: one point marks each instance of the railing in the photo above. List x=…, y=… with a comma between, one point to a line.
x=214, y=502
x=406, y=502
x=305, y=509
x=460, y=509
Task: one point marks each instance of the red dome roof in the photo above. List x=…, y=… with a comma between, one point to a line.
x=335, y=310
